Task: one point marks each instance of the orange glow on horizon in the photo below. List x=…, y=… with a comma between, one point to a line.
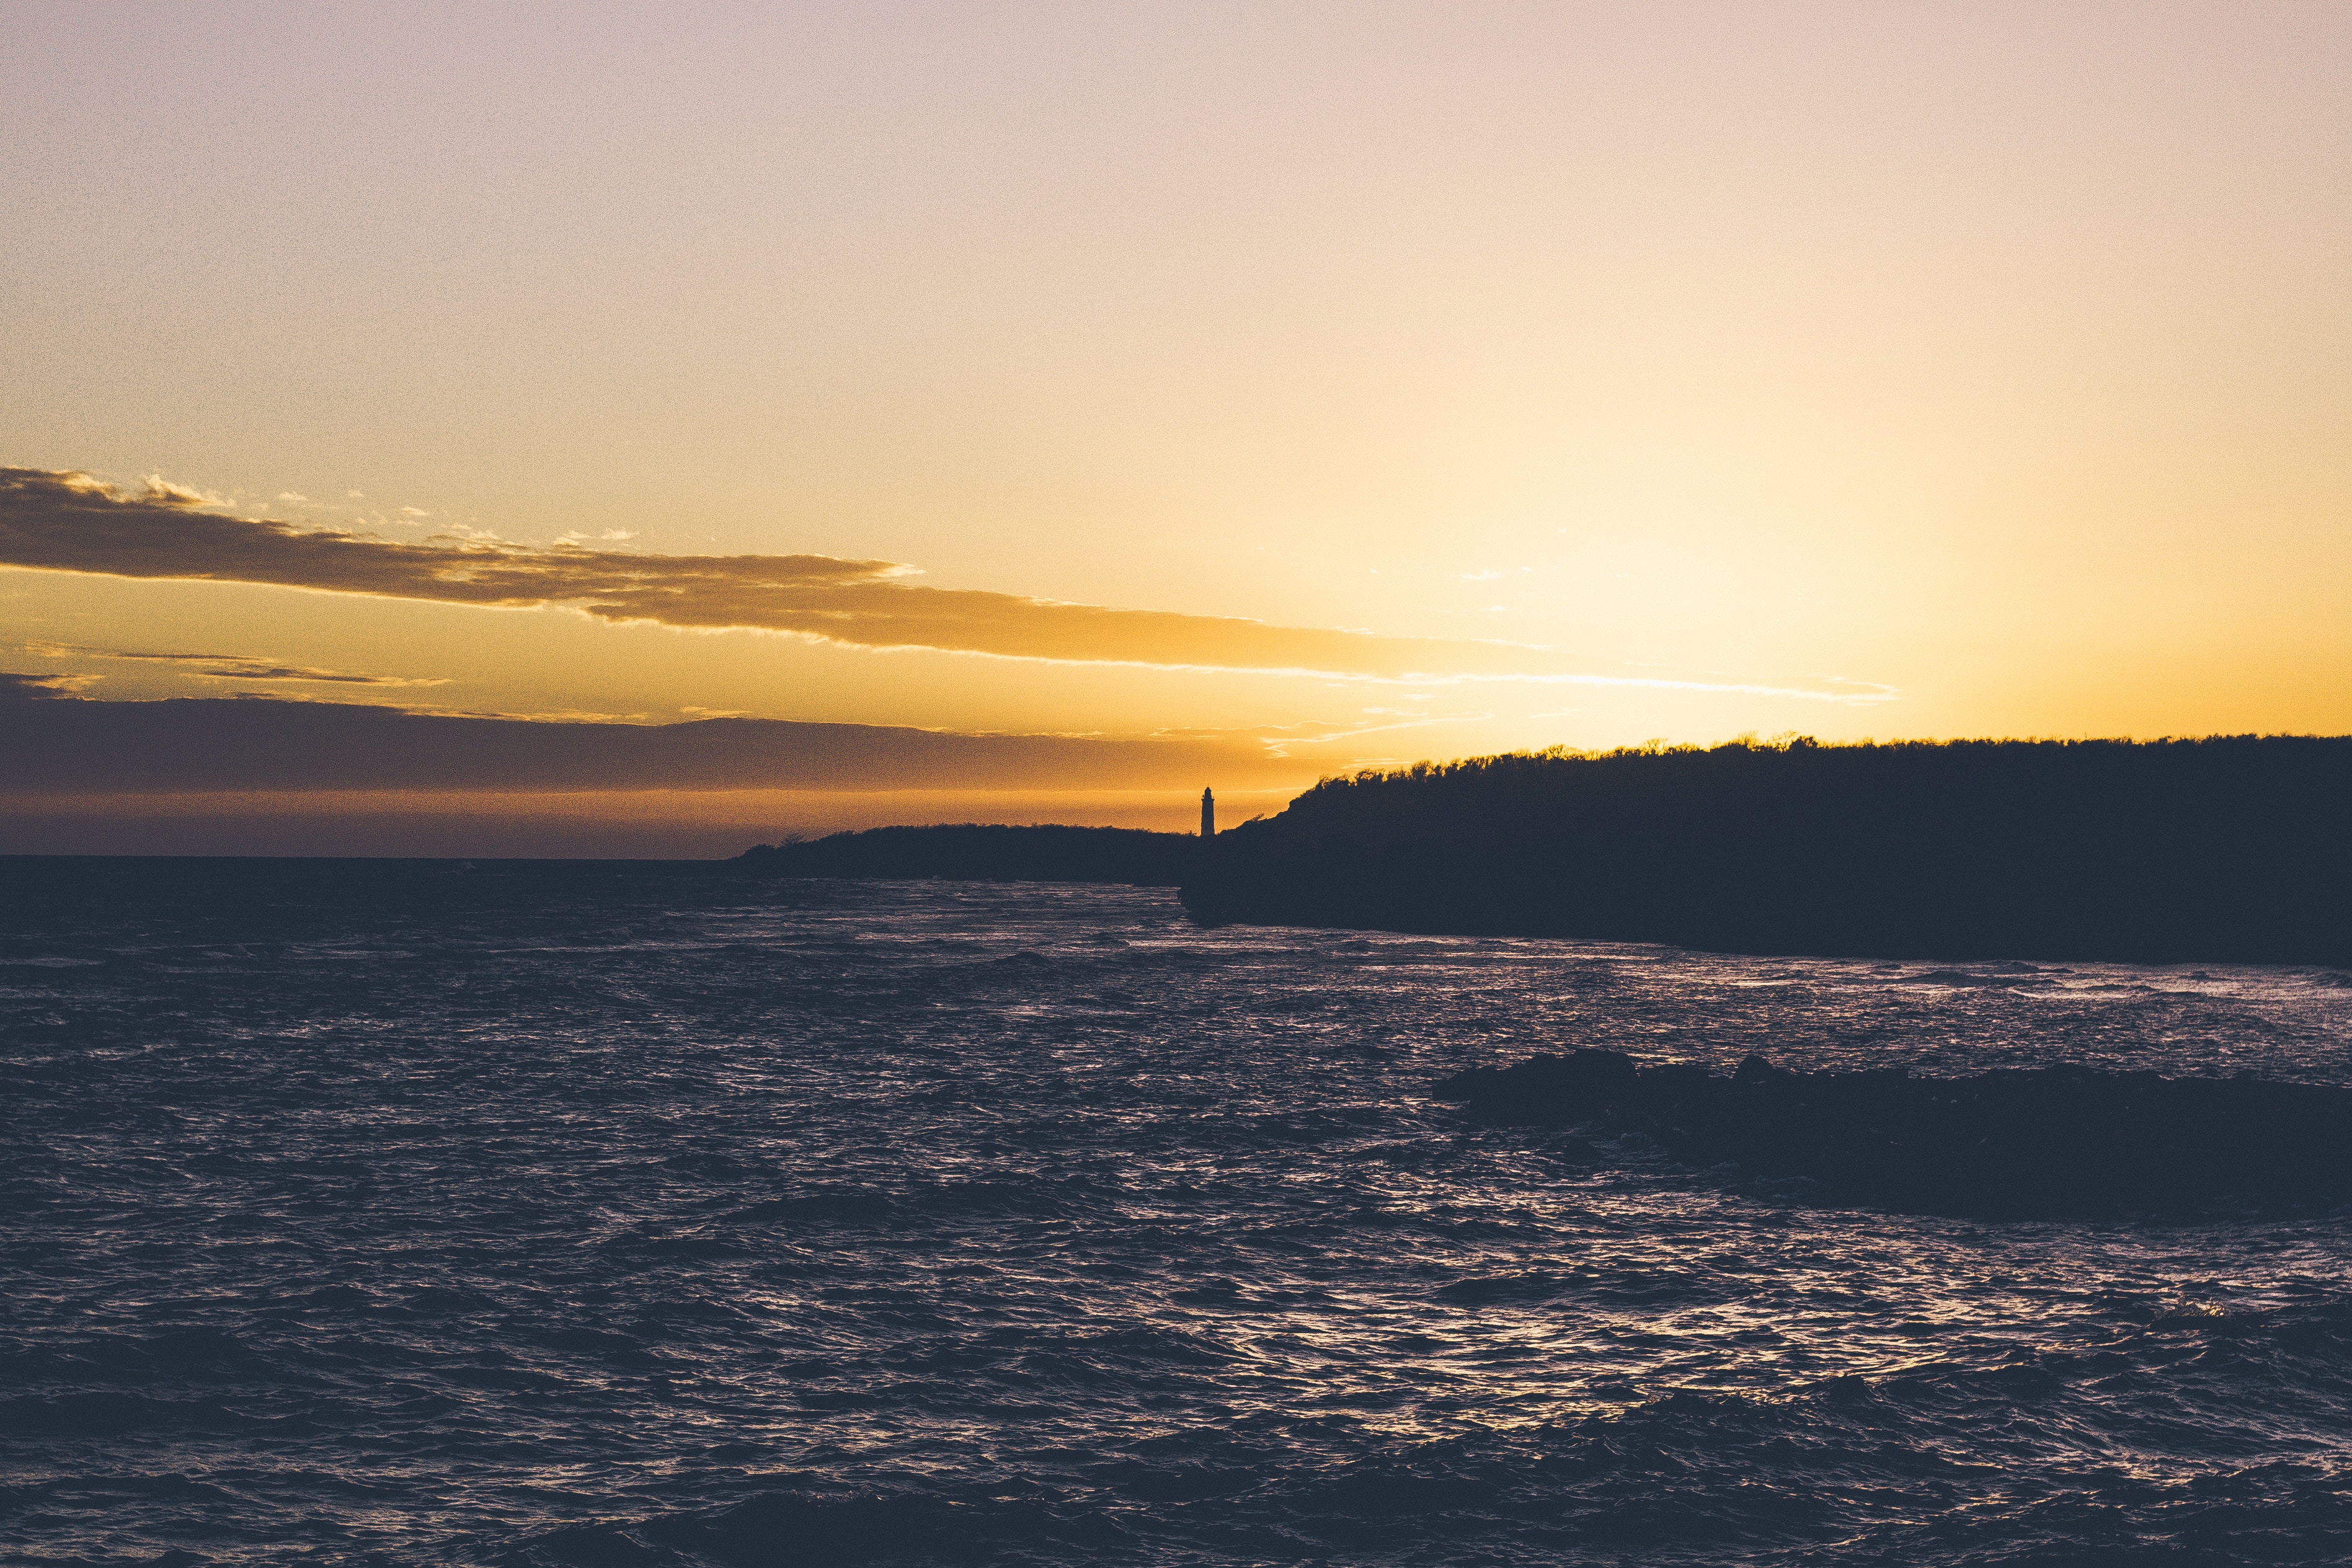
x=1354, y=387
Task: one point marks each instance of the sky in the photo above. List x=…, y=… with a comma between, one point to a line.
x=1319, y=385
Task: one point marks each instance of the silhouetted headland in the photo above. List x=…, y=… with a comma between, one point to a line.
x=2005, y=1145
x=971, y=853
x=2236, y=849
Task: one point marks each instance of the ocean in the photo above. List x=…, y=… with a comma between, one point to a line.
x=608, y=1214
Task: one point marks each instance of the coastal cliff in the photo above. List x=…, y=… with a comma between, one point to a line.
x=2233, y=849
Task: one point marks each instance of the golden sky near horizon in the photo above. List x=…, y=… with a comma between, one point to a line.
x=1388, y=381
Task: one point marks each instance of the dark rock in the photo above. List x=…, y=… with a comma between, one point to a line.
x=2012, y=1144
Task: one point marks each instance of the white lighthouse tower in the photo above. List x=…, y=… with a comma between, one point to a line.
x=1208, y=815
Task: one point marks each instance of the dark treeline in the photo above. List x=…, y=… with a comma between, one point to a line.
x=967, y=851
x=2217, y=850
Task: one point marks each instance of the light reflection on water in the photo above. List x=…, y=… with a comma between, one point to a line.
x=433, y=1228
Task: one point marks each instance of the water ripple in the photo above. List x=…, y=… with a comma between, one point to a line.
x=670, y=1220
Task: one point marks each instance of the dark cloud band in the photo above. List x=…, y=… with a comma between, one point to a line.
x=62, y=521
x=55, y=744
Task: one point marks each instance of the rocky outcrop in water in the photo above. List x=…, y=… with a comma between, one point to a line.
x=2053, y=1141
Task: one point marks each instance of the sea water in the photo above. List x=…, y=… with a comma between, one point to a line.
x=615, y=1215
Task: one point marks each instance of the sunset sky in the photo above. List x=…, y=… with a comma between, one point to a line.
x=1287, y=387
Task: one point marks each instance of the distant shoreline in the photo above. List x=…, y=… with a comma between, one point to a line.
x=985, y=853
x=2230, y=850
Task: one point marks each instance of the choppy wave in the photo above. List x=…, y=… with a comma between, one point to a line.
x=654, y=1219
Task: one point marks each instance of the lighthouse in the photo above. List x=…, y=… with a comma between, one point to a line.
x=1208, y=815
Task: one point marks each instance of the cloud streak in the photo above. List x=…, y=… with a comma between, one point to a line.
x=237, y=667
x=68, y=521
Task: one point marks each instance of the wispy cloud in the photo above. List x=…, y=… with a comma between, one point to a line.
x=231, y=666
x=64, y=521
x=237, y=667
x=163, y=490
